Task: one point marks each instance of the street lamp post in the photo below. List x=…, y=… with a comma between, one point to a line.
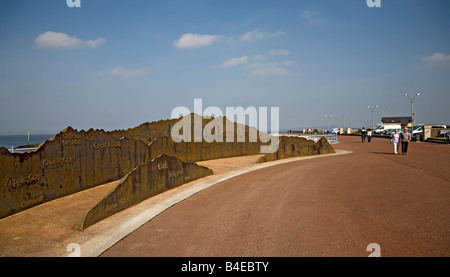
x=412, y=110
x=328, y=116
x=372, y=109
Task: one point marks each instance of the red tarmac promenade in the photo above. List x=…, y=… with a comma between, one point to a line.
x=334, y=205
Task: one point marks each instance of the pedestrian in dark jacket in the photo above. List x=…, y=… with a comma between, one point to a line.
x=363, y=135
x=405, y=138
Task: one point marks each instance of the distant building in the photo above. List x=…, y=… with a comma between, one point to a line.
x=403, y=120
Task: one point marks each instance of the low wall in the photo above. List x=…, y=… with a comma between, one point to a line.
x=201, y=151
x=147, y=180
x=290, y=147
x=69, y=162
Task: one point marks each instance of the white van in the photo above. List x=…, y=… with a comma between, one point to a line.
x=386, y=127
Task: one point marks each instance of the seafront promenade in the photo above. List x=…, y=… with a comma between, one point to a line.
x=326, y=205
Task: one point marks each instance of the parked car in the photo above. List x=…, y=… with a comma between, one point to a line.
x=390, y=132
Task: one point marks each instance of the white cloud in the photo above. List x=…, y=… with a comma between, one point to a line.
x=307, y=15
x=52, y=39
x=282, y=52
x=437, y=57
x=57, y=40
x=270, y=71
x=312, y=18
x=257, y=66
x=126, y=73
x=259, y=58
x=270, y=68
x=95, y=43
x=235, y=61
x=255, y=34
x=196, y=40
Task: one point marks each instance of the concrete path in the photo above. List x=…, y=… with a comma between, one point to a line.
x=336, y=206
x=47, y=230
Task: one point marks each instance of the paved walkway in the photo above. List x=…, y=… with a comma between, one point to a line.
x=334, y=206
x=47, y=229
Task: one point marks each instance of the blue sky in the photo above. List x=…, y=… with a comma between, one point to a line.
x=114, y=64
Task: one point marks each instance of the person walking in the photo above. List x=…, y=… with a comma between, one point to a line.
x=369, y=135
x=405, y=138
x=395, y=138
x=363, y=135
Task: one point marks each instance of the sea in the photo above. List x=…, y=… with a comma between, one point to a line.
x=18, y=140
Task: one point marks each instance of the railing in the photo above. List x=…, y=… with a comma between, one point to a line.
x=331, y=138
x=22, y=150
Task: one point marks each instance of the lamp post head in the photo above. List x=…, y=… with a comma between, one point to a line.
x=418, y=93
x=405, y=94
